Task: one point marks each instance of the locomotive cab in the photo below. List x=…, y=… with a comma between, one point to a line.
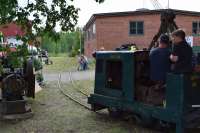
x=116, y=75
x=121, y=75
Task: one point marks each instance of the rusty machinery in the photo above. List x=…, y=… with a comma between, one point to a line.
x=16, y=83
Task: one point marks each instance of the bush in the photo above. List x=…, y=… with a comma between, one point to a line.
x=37, y=64
x=39, y=78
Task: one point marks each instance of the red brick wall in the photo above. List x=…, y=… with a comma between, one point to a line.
x=89, y=47
x=112, y=32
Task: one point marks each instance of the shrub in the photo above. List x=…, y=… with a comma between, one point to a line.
x=37, y=64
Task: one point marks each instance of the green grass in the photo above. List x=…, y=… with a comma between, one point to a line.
x=57, y=55
x=86, y=86
x=62, y=63
x=54, y=113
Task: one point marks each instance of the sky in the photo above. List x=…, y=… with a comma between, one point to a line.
x=90, y=7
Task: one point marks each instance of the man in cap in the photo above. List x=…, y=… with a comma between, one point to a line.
x=159, y=66
x=159, y=60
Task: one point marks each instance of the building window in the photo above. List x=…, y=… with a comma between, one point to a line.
x=94, y=28
x=90, y=32
x=196, y=27
x=136, y=28
x=94, y=31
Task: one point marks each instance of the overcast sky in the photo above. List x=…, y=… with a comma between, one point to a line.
x=89, y=7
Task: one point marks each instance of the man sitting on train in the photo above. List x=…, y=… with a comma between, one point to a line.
x=181, y=53
x=159, y=60
x=159, y=66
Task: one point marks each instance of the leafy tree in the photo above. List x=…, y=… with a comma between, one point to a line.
x=37, y=18
x=37, y=15
x=69, y=43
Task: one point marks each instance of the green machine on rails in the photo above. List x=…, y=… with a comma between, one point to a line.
x=121, y=75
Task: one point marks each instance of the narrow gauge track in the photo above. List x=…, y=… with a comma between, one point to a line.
x=74, y=94
x=76, y=86
x=69, y=94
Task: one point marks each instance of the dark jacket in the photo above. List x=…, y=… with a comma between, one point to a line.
x=159, y=64
x=184, y=53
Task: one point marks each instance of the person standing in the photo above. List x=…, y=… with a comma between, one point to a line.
x=159, y=60
x=181, y=55
x=159, y=67
x=85, y=63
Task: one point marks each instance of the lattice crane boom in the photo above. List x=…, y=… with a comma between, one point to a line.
x=156, y=4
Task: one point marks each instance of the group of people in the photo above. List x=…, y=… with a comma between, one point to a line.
x=175, y=58
x=178, y=60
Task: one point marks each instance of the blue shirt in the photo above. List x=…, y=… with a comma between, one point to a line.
x=159, y=63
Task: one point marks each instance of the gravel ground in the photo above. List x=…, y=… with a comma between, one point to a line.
x=76, y=75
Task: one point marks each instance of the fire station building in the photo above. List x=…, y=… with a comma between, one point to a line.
x=111, y=30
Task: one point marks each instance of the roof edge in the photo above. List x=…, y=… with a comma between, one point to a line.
x=138, y=12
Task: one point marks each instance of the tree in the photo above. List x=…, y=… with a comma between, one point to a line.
x=69, y=42
x=40, y=17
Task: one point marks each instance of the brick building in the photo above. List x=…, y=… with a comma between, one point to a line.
x=111, y=30
x=10, y=31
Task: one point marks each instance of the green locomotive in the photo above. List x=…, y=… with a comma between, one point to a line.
x=122, y=76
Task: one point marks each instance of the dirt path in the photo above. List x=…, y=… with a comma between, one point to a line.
x=77, y=75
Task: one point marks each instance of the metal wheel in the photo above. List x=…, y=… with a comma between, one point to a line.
x=144, y=121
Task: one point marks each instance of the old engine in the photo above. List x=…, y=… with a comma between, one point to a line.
x=17, y=82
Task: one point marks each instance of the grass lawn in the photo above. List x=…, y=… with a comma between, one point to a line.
x=86, y=86
x=62, y=63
